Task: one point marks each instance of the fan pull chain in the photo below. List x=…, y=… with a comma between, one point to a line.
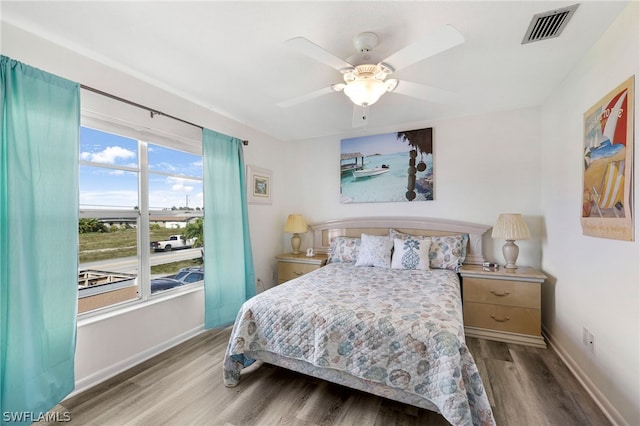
x=365, y=117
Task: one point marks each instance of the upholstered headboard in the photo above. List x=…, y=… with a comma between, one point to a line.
x=324, y=232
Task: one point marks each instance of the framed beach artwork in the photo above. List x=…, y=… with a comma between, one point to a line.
x=389, y=167
x=607, y=193
x=258, y=185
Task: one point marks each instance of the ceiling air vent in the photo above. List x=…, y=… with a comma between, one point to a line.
x=548, y=24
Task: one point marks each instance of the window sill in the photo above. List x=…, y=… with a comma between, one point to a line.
x=125, y=307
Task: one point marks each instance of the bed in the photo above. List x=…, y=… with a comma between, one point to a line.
x=391, y=329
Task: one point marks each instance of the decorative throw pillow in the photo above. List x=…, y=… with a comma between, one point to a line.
x=344, y=249
x=375, y=250
x=401, y=235
x=397, y=234
x=411, y=253
x=449, y=251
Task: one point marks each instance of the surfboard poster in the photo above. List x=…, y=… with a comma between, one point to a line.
x=607, y=197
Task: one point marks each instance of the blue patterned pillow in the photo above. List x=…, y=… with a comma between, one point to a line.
x=447, y=252
x=375, y=250
x=344, y=249
x=411, y=253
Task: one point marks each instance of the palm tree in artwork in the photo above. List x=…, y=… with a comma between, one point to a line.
x=422, y=142
x=421, y=139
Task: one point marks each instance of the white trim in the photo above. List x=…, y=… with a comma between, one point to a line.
x=102, y=314
x=505, y=336
x=109, y=166
x=598, y=397
x=143, y=232
x=111, y=115
x=100, y=376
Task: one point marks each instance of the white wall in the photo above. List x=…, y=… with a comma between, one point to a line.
x=594, y=281
x=108, y=344
x=484, y=165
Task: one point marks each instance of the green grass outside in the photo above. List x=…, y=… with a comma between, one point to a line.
x=112, y=245
x=171, y=268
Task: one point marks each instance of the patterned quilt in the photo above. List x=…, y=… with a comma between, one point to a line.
x=398, y=328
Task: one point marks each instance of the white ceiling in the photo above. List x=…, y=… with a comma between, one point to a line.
x=231, y=56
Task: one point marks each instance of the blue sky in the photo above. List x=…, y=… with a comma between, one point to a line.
x=386, y=143
x=111, y=188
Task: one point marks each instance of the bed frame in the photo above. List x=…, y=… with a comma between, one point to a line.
x=324, y=232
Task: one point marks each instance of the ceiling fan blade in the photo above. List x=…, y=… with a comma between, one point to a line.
x=294, y=101
x=426, y=93
x=318, y=53
x=437, y=41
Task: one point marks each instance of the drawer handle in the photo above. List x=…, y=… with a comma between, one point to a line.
x=506, y=293
x=505, y=319
x=298, y=273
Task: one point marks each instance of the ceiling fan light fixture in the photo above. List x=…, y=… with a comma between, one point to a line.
x=365, y=91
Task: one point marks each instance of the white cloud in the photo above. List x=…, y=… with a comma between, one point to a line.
x=179, y=184
x=167, y=199
x=109, y=155
x=164, y=166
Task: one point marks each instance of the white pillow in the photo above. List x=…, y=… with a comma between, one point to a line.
x=411, y=253
x=375, y=250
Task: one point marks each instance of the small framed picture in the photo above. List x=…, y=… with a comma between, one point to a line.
x=258, y=185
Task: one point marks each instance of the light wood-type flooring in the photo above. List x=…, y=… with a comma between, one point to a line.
x=183, y=386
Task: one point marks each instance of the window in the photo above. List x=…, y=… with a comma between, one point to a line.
x=175, y=215
x=141, y=210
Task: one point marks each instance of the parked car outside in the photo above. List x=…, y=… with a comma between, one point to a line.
x=184, y=276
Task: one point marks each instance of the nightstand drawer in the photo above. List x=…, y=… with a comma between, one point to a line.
x=503, y=318
x=502, y=292
x=289, y=270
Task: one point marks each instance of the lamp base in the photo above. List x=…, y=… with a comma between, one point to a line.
x=295, y=243
x=510, y=252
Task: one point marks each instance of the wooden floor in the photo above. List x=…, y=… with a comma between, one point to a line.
x=183, y=386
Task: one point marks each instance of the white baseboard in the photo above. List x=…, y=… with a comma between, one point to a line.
x=106, y=373
x=598, y=397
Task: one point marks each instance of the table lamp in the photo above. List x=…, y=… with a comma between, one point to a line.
x=295, y=224
x=510, y=227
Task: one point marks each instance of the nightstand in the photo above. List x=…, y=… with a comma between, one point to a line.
x=292, y=266
x=503, y=305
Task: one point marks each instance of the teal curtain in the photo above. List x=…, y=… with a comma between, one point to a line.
x=40, y=116
x=229, y=275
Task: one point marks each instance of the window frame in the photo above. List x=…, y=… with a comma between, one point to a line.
x=120, y=119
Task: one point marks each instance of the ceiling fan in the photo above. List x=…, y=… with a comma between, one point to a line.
x=365, y=74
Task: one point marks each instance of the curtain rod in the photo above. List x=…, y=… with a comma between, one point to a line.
x=153, y=112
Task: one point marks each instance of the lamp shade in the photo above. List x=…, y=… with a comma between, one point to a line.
x=511, y=226
x=295, y=224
